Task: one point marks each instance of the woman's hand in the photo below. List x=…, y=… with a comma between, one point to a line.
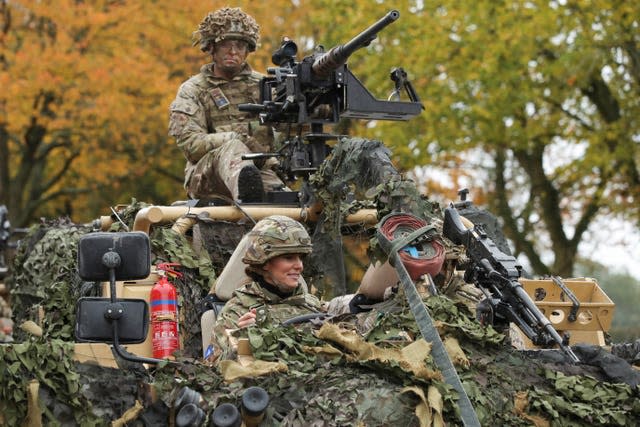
x=247, y=319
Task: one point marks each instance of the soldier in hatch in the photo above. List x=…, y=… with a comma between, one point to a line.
x=206, y=122
x=274, y=261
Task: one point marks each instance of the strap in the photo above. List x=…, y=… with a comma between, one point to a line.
x=430, y=334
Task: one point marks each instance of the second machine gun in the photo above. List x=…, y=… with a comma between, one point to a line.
x=497, y=274
x=320, y=89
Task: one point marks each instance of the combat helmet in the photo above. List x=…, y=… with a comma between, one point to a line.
x=276, y=235
x=227, y=23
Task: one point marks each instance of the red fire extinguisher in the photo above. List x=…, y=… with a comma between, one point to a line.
x=164, y=313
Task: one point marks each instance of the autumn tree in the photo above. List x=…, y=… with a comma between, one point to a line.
x=83, y=103
x=543, y=95
x=534, y=103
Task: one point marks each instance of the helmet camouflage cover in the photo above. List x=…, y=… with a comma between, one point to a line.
x=276, y=235
x=227, y=23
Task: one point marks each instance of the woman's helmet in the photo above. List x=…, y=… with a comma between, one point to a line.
x=276, y=235
x=227, y=24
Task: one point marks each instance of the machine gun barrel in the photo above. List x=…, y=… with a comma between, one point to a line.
x=338, y=55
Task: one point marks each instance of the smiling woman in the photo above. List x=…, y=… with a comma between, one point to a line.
x=275, y=261
x=283, y=271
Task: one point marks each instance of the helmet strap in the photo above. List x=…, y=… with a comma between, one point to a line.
x=278, y=289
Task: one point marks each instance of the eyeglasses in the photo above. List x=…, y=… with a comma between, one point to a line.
x=237, y=45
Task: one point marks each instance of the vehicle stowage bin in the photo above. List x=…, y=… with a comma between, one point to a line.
x=586, y=324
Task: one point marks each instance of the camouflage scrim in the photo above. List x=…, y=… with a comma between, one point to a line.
x=276, y=235
x=227, y=23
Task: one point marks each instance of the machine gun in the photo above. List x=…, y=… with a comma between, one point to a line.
x=321, y=89
x=497, y=274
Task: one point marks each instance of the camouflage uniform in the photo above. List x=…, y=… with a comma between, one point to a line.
x=270, y=309
x=206, y=122
x=271, y=237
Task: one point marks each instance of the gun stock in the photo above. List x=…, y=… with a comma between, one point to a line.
x=453, y=228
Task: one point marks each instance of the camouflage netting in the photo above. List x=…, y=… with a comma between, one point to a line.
x=218, y=238
x=329, y=377
x=45, y=366
x=358, y=174
x=45, y=284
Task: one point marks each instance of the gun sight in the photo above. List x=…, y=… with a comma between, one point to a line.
x=286, y=53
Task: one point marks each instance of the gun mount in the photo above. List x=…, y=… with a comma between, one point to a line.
x=320, y=89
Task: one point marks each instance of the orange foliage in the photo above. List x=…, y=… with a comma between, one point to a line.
x=85, y=93
x=86, y=88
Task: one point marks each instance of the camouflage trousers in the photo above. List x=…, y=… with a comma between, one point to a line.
x=216, y=173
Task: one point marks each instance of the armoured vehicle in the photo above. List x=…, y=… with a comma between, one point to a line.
x=470, y=342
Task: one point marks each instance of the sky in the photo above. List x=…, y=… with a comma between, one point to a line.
x=615, y=244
